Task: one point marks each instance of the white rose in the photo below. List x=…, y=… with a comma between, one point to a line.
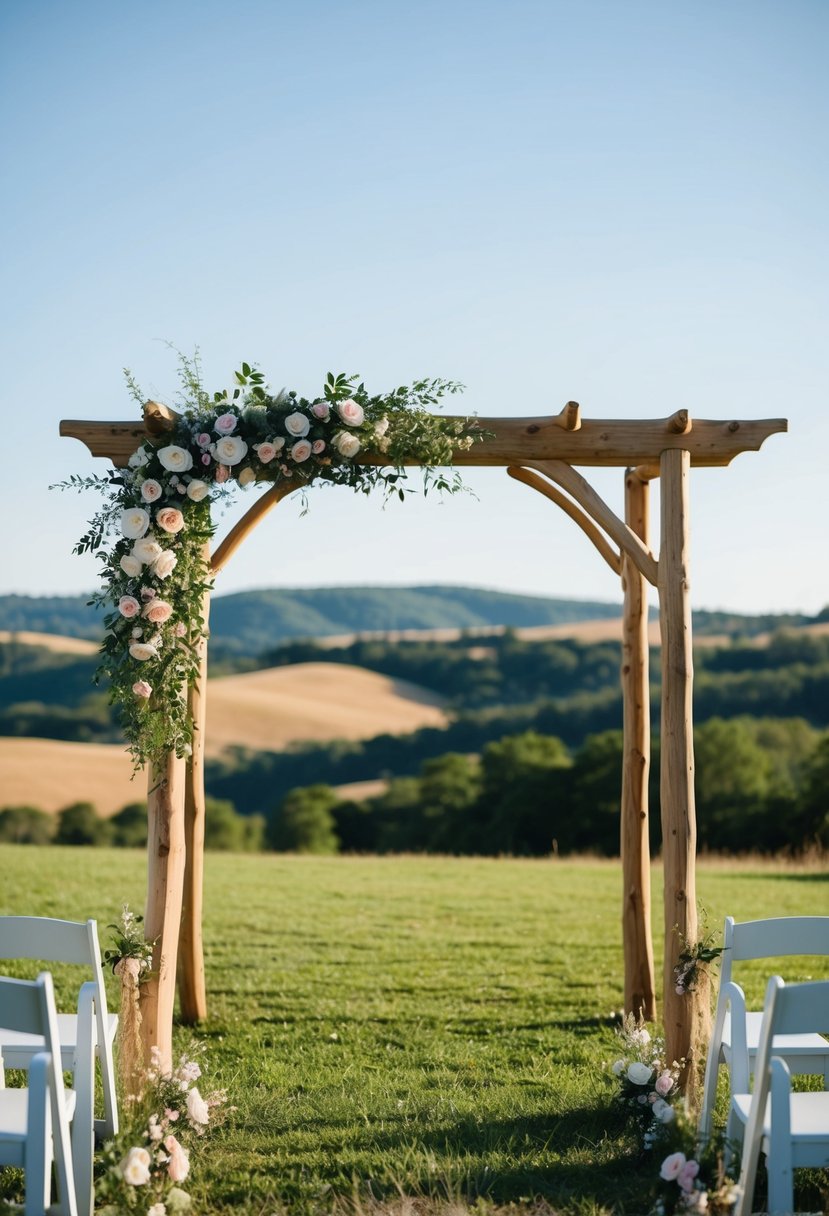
x=350, y=411
x=147, y=550
x=230, y=449
x=617, y=1068
x=165, y=564
x=177, y=460
x=297, y=424
x=381, y=426
x=197, y=490
x=347, y=445
x=139, y=458
x=135, y=1168
x=130, y=565
x=663, y=1112
x=246, y=476
x=134, y=522
x=197, y=1109
x=143, y=651
x=639, y=1073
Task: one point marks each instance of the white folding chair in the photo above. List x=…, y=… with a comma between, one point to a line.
x=34, y=1122
x=734, y=1026
x=64, y=941
x=792, y=1129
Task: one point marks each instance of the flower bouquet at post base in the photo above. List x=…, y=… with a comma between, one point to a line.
x=648, y=1087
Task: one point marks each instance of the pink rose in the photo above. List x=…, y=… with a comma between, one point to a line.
x=321, y=409
x=142, y=689
x=170, y=519
x=222, y=473
x=265, y=452
x=204, y=440
x=318, y=446
x=178, y=1167
x=301, y=450
x=664, y=1084
x=158, y=611
x=671, y=1166
x=347, y=445
x=685, y=1177
x=205, y=458
x=225, y=424
x=150, y=490
x=180, y=629
x=350, y=412
x=128, y=606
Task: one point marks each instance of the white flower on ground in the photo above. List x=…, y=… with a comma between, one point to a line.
x=617, y=1067
x=175, y=459
x=158, y=1209
x=135, y=1168
x=639, y=1073
x=229, y=450
x=134, y=522
x=347, y=445
x=671, y=1166
x=351, y=412
x=178, y=1200
x=297, y=424
x=197, y=1110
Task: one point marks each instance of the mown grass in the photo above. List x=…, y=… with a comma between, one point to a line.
x=431, y=1026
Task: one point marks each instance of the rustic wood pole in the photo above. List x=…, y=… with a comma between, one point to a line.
x=686, y=1016
x=192, y=990
x=162, y=918
x=640, y=996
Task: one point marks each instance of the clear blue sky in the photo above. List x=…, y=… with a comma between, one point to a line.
x=618, y=202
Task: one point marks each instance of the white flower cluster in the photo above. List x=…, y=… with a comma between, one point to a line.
x=647, y=1086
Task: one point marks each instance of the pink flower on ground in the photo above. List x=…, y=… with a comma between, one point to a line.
x=225, y=424
x=170, y=519
x=671, y=1166
x=129, y=606
x=171, y=1114
x=664, y=1084
x=178, y=1167
x=685, y=1177
x=142, y=689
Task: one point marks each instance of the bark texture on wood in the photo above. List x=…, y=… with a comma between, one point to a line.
x=162, y=918
x=192, y=990
x=686, y=1017
x=640, y=995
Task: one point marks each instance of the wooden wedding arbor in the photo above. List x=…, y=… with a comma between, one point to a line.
x=543, y=454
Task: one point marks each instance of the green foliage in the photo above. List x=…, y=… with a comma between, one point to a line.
x=25, y=825
x=304, y=823
x=129, y=826
x=79, y=824
x=228, y=832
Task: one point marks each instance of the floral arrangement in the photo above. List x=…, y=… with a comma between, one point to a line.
x=694, y=958
x=151, y=532
x=144, y=1167
x=692, y=1177
x=130, y=952
x=648, y=1088
x=131, y=959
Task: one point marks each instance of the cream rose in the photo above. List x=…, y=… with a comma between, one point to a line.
x=143, y=651
x=129, y=606
x=197, y=490
x=230, y=449
x=165, y=564
x=134, y=522
x=639, y=1073
x=157, y=611
x=297, y=424
x=151, y=490
x=351, y=412
x=347, y=445
x=301, y=450
x=130, y=565
x=246, y=476
x=147, y=550
x=135, y=1168
x=170, y=519
x=176, y=459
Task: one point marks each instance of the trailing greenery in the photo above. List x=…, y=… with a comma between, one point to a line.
x=428, y=1027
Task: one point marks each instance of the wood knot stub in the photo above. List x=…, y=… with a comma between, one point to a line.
x=733, y=426
x=533, y=428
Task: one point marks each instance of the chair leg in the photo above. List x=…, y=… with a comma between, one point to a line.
x=107, y=1127
x=779, y=1156
x=38, y=1159
x=83, y=1124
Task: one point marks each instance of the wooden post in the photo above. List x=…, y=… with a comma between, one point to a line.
x=192, y=990
x=686, y=1016
x=165, y=879
x=640, y=997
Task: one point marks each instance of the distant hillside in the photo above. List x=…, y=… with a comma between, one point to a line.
x=250, y=622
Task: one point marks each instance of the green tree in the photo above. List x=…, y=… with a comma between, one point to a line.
x=593, y=822
x=26, y=825
x=227, y=831
x=79, y=824
x=129, y=826
x=304, y=821
x=523, y=791
x=733, y=781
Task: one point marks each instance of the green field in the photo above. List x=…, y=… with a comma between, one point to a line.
x=435, y=1027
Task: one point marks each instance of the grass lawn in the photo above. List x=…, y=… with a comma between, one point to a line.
x=432, y=1026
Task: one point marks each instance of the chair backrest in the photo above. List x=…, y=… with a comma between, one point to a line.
x=41, y=937
x=781, y=937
